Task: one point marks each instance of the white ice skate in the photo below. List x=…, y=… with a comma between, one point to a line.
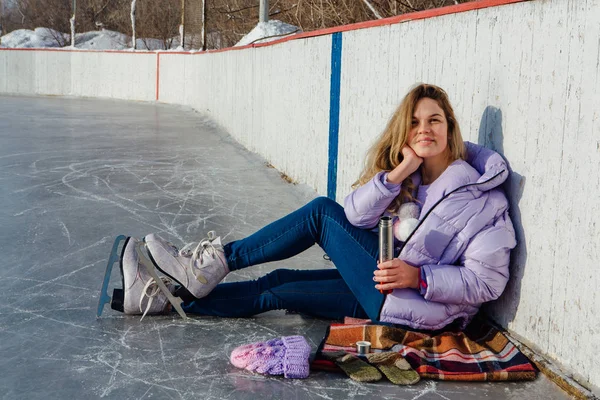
x=143, y=291
x=198, y=270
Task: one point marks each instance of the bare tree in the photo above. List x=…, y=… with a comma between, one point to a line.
x=53, y=14
x=159, y=20
x=2, y=20
x=225, y=23
x=230, y=20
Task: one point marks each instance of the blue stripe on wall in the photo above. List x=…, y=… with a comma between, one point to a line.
x=334, y=113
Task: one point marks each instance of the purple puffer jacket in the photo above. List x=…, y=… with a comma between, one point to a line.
x=462, y=243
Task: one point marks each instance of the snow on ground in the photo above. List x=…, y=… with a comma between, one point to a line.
x=40, y=37
x=111, y=40
x=271, y=30
x=102, y=40
x=94, y=40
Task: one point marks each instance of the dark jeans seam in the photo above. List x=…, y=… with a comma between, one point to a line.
x=270, y=291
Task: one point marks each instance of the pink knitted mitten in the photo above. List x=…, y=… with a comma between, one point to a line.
x=287, y=356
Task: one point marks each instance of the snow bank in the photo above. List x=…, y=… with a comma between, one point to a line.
x=40, y=37
x=94, y=40
x=111, y=40
x=268, y=31
x=102, y=40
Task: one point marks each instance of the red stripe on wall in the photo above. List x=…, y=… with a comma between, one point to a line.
x=436, y=12
x=69, y=50
x=475, y=5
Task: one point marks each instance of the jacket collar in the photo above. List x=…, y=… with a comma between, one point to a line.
x=492, y=167
x=489, y=164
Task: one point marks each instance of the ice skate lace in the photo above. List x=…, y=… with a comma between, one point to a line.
x=203, y=248
x=154, y=291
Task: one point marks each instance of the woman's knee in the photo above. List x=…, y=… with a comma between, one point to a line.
x=279, y=277
x=325, y=205
x=282, y=276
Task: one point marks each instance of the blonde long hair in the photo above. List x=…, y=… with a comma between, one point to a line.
x=386, y=153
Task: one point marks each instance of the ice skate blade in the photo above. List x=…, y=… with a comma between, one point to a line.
x=114, y=257
x=145, y=261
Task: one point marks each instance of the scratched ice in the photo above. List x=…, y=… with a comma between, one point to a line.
x=77, y=173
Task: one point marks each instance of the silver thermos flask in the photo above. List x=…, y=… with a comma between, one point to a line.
x=386, y=243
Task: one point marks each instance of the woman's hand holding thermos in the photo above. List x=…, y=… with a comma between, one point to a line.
x=392, y=273
x=386, y=243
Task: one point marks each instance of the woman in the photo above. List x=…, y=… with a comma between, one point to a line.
x=456, y=259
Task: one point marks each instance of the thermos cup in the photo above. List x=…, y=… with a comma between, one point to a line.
x=386, y=243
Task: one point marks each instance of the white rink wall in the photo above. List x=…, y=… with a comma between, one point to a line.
x=524, y=80
x=274, y=100
x=120, y=75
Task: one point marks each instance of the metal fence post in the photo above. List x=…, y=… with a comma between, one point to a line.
x=74, y=6
x=203, y=34
x=133, y=38
x=1, y=20
x=263, y=15
x=182, y=27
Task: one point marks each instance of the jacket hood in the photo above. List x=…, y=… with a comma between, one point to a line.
x=492, y=167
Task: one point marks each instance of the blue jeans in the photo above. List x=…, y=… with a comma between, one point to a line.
x=348, y=290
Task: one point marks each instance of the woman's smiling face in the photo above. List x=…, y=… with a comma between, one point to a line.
x=428, y=135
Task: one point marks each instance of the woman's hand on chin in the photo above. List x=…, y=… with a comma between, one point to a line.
x=410, y=163
x=396, y=274
x=411, y=159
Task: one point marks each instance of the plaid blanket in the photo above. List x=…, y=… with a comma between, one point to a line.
x=479, y=353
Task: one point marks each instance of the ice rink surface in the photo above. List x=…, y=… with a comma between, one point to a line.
x=75, y=174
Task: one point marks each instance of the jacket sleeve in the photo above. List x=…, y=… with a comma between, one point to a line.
x=365, y=204
x=483, y=271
